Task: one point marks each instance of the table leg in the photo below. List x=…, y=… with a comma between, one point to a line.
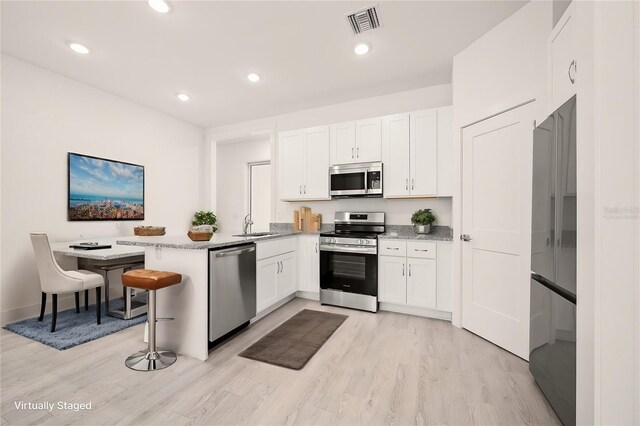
x=106, y=293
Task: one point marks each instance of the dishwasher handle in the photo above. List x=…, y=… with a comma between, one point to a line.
x=234, y=251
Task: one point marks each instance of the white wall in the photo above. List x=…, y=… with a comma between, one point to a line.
x=505, y=67
x=233, y=180
x=45, y=115
x=399, y=210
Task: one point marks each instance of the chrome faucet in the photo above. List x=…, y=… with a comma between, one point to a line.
x=246, y=223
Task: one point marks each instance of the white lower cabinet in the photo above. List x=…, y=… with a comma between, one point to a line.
x=276, y=272
x=309, y=263
x=286, y=281
x=415, y=274
x=266, y=283
x=392, y=280
x=421, y=283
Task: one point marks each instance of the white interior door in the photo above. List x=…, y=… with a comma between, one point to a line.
x=395, y=155
x=496, y=214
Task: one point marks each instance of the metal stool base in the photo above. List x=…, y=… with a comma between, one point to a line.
x=150, y=361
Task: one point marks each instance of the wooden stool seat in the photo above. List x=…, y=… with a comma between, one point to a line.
x=148, y=279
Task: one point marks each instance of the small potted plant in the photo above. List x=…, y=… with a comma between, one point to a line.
x=203, y=226
x=422, y=220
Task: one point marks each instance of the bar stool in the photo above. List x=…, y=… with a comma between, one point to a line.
x=146, y=279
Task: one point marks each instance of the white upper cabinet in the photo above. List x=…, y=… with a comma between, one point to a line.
x=417, y=154
x=445, y=151
x=291, y=150
x=316, y=185
x=343, y=143
x=304, y=164
x=562, y=64
x=356, y=141
x=368, y=140
x=395, y=155
x=423, y=153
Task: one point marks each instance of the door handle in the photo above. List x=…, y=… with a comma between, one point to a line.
x=393, y=248
x=572, y=76
x=403, y=269
x=412, y=182
x=305, y=189
x=358, y=152
x=406, y=185
x=316, y=247
x=465, y=237
x=281, y=266
x=352, y=152
x=300, y=189
x=409, y=269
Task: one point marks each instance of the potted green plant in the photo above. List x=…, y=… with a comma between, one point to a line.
x=422, y=220
x=203, y=226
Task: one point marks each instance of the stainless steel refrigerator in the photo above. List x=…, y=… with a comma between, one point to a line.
x=552, y=345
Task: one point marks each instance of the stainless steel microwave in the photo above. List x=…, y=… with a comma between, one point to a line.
x=356, y=180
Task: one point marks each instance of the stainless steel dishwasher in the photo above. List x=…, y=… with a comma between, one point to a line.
x=232, y=288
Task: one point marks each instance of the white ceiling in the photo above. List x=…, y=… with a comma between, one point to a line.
x=302, y=50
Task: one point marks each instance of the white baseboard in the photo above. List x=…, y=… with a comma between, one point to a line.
x=412, y=310
x=273, y=307
x=308, y=295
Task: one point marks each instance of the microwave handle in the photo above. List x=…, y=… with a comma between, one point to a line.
x=366, y=181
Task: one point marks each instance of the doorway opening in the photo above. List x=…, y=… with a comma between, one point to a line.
x=260, y=195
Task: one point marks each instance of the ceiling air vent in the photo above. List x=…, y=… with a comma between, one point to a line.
x=364, y=20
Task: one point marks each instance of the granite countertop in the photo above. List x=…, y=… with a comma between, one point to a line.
x=115, y=252
x=183, y=242
x=406, y=232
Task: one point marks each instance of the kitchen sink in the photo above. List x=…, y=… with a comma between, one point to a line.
x=255, y=234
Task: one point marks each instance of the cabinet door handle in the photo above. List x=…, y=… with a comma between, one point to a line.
x=305, y=189
x=409, y=269
x=300, y=189
x=352, y=152
x=406, y=185
x=358, y=152
x=403, y=269
x=420, y=249
x=572, y=77
x=316, y=247
x=393, y=248
x=412, y=182
x=281, y=266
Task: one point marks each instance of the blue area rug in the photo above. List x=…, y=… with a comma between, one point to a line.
x=73, y=329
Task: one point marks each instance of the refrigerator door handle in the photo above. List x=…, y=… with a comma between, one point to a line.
x=554, y=287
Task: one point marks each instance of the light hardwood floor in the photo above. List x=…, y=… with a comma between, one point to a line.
x=382, y=368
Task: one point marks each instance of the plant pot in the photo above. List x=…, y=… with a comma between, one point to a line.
x=422, y=229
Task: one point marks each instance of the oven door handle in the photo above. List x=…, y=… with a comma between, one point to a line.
x=349, y=249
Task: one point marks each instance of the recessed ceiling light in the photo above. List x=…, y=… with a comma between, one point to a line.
x=253, y=77
x=361, y=48
x=183, y=97
x=79, y=48
x=159, y=6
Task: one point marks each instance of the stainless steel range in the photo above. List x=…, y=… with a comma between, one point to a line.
x=349, y=261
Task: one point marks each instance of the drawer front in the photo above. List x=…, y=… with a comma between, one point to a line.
x=393, y=248
x=421, y=249
x=270, y=248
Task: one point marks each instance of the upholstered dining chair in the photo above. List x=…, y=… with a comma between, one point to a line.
x=54, y=280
